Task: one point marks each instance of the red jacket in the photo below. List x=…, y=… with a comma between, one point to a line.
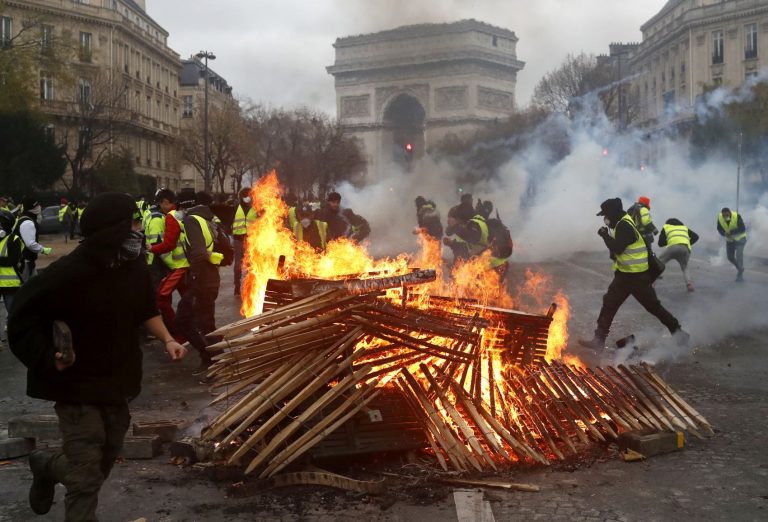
x=170, y=237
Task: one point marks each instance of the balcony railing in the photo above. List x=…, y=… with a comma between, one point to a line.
x=717, y=59
x=750, y=54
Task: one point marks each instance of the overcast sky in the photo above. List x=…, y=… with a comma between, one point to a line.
x=276, y=51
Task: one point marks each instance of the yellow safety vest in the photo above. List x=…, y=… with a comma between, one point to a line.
x=730, y=228
x=634, y=259
x=79, y=212
x=677, y=235
x=8, y=276
x=205, y=228
x=154, y=228
x=176, y=258
x=322, y=230
x=477, y=248
x=243, y=221
x=62, y=213
x=292, y=219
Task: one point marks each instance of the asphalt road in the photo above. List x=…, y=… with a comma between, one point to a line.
x=721, y=478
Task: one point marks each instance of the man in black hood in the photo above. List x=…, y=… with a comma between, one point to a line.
x=631, y=276
x=91, y=387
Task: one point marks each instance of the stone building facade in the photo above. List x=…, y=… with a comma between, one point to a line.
x=691, y=45
x=403, y=90
x=192, y=88
x=121, y=48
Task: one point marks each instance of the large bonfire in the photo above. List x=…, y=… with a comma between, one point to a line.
x=269, y=241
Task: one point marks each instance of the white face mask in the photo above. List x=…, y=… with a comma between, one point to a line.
x=305, y=222
x=247, y=200
x=2, y=234
x=607, y=222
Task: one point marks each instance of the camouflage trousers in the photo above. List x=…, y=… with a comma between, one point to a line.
x=92, y=438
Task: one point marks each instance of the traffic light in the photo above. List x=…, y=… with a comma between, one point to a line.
x=409, y=148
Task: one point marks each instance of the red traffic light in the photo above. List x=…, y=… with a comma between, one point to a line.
x=409, y=147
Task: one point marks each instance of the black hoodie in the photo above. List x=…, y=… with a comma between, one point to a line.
x=204, y=273
x=102, y=300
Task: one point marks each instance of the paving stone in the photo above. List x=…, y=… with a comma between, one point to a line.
x=142, y=447
x=650, y=444
x=11, y=448
x=39, y=426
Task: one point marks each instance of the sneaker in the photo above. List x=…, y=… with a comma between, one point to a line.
x=740, y=277
x=43, y=488
x=690, y=287
x=595, y=344
x=626, y=341
x=683, y=338
x=202, y=369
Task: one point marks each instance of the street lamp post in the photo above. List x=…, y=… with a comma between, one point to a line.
x=206, y=55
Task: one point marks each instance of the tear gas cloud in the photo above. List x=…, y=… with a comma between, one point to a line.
x=550, y=205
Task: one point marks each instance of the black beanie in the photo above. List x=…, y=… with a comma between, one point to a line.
x=106, y=211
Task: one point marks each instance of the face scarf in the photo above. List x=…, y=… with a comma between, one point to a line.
x=130, y=249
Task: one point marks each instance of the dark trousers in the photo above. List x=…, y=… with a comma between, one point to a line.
x=195, y=315
x=638, y=286
x=92, y=438
x=734, y=250
x=8, y=294
x=237, y=263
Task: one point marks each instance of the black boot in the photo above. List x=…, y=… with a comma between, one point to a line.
x=43, y=487
x=597, y=343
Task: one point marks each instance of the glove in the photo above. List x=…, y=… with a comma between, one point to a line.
x=47, y=251
x=216, y=258
x=602, y=231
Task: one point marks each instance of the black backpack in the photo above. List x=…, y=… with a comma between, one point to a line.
x=499, y=238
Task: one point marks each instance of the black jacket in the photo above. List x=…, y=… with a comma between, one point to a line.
x=337, y=224
x=104, y=304
x=204, y=273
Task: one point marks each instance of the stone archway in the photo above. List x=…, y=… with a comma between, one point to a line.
x=403, y=125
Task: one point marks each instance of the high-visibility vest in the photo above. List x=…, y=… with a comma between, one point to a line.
x=730, y=228
x=677, y=235
x=205, y=228
x=8, y=276
x=154, y=228
x=292, y=219
x=634, y=259
x=497, y=261
x=177, y=258
x=79, y=212
x=243, y=221
x=322, y=230
x=62, y=213
x=477, y=248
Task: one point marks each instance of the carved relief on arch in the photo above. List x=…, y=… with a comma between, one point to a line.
x=385, y=95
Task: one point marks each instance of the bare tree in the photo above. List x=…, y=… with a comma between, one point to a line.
x=577, y=76
x=101, y=111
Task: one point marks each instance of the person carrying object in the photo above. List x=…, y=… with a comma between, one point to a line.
x=92, y=377
x=631, y=275
x=678, y=239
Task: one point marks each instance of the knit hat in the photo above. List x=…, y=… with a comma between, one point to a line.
x=106, y=211
x=645, y=200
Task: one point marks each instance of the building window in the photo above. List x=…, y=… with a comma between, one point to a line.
x=50, y=131
x=188, y=107
x=126, y=58
x=718, y=47
x=85, y=92
x=46, y=87
x=148, y=112
x=85, y=47
x=750, y=45
x=495, y=41
x=6, y=29
x=46, y=37
x=750, y=74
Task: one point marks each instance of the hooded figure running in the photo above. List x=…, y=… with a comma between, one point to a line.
x=92, y=386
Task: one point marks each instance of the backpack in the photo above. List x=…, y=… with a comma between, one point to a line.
x=222, y=244
x=499, y=238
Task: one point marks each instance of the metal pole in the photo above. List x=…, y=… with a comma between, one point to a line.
x=207, y=173
x=738, y=173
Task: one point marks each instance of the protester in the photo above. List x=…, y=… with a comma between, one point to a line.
x=678, y=239
x=245, y=216
x=428, y=218
x=359, y=228
x=92, y=388
x=309, y=229
x=731, y=226
x=28, y=228
x=330, y=213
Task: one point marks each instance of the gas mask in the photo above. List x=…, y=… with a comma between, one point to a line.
x=305, y=222
x=247, y=200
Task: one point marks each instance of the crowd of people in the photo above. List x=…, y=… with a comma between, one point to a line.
x=134, y=256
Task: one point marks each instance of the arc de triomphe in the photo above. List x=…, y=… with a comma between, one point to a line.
x=403, y=90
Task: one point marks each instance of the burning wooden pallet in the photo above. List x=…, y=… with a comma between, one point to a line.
x=300, y=372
